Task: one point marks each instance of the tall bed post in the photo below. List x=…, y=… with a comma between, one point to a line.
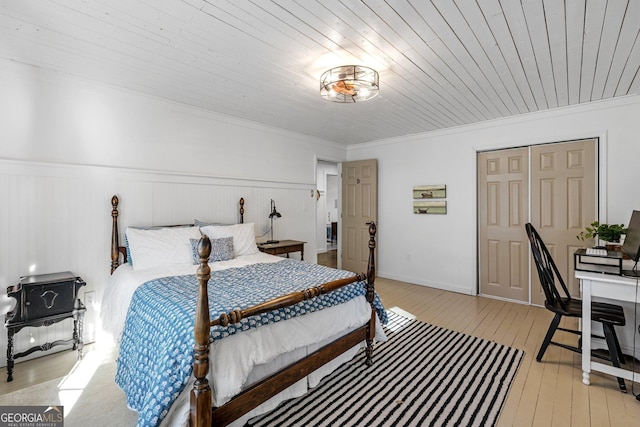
x=202, y=414
x=115, y=252
x=201, y=401
x=241, y=210
x=371, y=278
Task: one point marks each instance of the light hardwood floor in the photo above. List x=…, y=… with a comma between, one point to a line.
x=543, y=394
x=329, y=258
x=47, y=367
x=549, y=393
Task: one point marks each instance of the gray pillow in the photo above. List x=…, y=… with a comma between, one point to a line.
x=221, y=249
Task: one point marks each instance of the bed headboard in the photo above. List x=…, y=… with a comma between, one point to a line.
x=117, y=250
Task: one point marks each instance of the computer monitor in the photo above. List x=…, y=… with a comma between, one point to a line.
x=631, y=246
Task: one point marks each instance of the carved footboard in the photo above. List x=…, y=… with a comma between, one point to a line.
x=202, y=414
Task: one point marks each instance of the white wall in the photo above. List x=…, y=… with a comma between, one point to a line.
x=66, y=146
x=48, y=117
x=440, y=250
x=332, y=196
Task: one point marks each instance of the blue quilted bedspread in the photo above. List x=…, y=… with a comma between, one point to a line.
x=156, y=350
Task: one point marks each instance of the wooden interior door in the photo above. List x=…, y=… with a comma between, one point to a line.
x=359, y=208
x=503, y=204
x=563, y=202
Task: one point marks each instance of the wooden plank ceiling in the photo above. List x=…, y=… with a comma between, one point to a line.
x=442, y=63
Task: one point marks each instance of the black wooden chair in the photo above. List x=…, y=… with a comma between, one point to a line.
x=609, y=315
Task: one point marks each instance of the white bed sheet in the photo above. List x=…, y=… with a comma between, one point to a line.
x=264, y=350
x=178, y=415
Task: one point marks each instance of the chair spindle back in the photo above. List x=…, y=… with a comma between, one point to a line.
x=547, y=270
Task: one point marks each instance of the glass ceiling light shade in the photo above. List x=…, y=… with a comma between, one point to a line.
x=349, y=83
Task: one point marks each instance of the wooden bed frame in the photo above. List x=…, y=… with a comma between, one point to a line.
x=202, y=414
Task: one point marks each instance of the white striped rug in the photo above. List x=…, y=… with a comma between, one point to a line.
x=423, y=376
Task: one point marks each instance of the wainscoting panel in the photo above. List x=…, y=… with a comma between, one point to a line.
x=56, y=217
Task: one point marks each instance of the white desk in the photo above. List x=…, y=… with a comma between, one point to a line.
x=607, y=286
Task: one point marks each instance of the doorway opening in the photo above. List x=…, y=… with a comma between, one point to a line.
x=327, y=219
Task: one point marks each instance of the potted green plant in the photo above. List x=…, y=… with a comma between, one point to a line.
x=610, y=233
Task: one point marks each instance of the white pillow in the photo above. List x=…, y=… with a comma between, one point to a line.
x=244, y=236
x=161, y=246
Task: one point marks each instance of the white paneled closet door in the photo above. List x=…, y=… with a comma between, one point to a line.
x=503, y=204
x=563, y=202
x=553, y=186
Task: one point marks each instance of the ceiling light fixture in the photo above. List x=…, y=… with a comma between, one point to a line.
x=349, y=83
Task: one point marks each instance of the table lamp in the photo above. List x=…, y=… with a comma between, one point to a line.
x=274, y=214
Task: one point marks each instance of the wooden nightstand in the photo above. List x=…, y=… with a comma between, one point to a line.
x=283, y=247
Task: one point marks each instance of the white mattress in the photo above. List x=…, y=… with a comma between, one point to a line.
x=264, y=349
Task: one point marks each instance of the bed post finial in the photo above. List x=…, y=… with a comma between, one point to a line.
x=241, y=210
x=200, y=409
x=115, y=253
x=370, y=292
x=371, y=268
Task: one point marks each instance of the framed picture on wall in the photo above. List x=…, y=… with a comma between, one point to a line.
x=430, y=192
x=439, y=207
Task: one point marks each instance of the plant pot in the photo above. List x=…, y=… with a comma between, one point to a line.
x=613, y=246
